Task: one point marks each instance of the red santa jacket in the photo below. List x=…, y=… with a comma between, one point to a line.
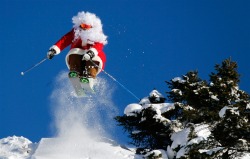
x=68, y=39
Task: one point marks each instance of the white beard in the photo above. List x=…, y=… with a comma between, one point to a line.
x=90, y=36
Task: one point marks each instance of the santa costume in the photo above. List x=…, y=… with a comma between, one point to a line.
x=86, y=57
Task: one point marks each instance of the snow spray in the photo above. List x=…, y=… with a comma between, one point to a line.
x=80, y=122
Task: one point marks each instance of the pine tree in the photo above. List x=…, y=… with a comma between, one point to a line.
x=218, y=103
x=234, y=123
x=192, y=95
x=203, y=103
x=147, y=131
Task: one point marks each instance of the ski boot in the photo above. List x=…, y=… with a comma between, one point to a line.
x=73, y=74
x=88, y=73
x=84, y=80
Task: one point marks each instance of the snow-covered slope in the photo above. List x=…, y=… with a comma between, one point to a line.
x=16, y=148
x=79, y=149
x=63, y=148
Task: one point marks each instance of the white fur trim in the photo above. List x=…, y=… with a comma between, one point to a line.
x=56, y=48
x=94, y=50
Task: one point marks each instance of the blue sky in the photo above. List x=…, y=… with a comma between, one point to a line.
x=150, y=41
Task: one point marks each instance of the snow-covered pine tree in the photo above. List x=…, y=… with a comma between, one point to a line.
x=217, y=108
x=232, y=130
x=221, y=104
x=147, y=127
x=191, y=97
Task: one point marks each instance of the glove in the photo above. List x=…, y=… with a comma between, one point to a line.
x=89, y=55
x=51, y=53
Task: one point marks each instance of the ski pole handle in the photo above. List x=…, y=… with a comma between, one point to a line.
x=32, y=67
x=51, y=53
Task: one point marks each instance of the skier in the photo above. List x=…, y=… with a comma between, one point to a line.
x=86, y=57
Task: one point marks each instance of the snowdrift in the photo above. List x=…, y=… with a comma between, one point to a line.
x=85, y=148
x=62, y=148
x=16, y=148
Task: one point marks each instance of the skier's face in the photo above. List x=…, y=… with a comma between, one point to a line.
x=85, y=26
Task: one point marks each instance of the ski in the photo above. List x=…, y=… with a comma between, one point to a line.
x=81, y=85
x=87, y=85
x=77, y=87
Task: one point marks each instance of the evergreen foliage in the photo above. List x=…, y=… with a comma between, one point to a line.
x=146, y=131
x=218, y=103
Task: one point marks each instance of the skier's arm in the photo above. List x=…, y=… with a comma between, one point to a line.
x=93, y=51
x=97, y=48
x=101, y=54
x=65, y=41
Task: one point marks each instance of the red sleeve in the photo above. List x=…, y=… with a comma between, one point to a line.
x=101, y=54
x=66, y=40
x=98, y=47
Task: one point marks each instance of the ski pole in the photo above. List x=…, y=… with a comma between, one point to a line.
x=32, y=67
x=125, y=88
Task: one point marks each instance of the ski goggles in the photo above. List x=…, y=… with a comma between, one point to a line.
x=85, y=26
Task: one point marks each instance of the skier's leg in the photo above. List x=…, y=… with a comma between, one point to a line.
x=76, y=64
x=94, y=67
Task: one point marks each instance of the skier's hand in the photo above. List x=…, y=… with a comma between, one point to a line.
x=89, y=55
x=51, y=53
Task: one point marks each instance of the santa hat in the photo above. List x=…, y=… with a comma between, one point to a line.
x=95, y=34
